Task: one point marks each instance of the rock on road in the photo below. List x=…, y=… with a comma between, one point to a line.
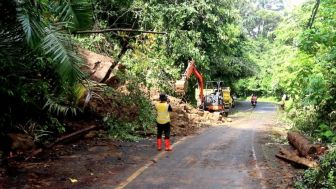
x=229, y=156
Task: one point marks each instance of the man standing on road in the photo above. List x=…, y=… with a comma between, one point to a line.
x=283, y=100
x=163, y=121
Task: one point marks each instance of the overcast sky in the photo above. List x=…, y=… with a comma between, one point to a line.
x=292, y=3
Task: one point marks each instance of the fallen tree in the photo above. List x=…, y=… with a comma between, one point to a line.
x=73, y=136
x=306, y=152
x=303, y=145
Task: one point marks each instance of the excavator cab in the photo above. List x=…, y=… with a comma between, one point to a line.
x=213, y=96
x=217, y=97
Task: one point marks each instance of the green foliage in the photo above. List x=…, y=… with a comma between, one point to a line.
x=46, y=28
x=98, y=43
x=146, y=115
x=39, y=62
x=209, y=32
x=261, y=17
x=305, y=119
x=326, y=134
x=298, y=61
x=135, y=114
x=58, y=109
x=260, y=21
x=119, y=129
x=311, y=78
x=322, y=177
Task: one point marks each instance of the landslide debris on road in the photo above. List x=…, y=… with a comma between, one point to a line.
x=186, y=120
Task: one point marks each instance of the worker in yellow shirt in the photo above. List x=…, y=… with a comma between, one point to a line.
x=163, y=121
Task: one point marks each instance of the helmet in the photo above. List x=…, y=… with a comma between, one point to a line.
x=163, y=97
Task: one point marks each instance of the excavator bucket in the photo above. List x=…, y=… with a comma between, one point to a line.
x=181, y=86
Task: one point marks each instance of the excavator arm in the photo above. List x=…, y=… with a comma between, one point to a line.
x=181, y=85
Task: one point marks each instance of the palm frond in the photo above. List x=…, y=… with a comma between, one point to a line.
x=77, y=13
x=10, y=42
x=58, y=109
x=32, y=24
x=58, y=46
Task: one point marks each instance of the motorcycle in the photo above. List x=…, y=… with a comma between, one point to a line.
x=254, y=103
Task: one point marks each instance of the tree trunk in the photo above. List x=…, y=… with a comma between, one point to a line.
x=292, y=157
x=74, y=135
x=304, y=147
x=313, y=15
x=124, y=48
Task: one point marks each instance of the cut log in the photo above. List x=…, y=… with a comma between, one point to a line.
x=292, y=157
x=304, y=147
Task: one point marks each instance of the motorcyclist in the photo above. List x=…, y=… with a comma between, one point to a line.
x=254, y=99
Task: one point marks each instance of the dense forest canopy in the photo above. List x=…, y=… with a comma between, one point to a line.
x=208, y=32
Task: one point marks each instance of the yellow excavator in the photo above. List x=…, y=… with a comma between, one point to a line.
x=215, y=97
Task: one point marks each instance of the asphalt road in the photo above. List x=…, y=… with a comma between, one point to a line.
x=228, y=156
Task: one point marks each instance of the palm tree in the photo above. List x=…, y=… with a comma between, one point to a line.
x=47, y=26
x=35, y=31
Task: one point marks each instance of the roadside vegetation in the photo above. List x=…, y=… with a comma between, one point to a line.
x=296, y=56
x=40, y=68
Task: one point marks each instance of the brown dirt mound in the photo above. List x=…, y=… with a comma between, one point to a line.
x=97, y=66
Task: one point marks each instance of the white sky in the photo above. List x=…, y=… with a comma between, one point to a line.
x=293, y=3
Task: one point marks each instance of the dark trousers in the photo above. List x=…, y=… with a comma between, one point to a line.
x=163, y=128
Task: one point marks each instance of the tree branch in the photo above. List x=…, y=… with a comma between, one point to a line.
x=118, y=29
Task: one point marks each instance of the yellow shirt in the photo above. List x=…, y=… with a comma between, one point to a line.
x=163, y=116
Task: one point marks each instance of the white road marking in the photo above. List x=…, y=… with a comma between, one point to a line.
x=146, y=166
x=256, y=166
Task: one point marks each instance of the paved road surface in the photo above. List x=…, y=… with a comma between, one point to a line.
x=220, y=157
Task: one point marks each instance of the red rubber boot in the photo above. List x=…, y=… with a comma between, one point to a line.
x=159, y=144
x=167, y=143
